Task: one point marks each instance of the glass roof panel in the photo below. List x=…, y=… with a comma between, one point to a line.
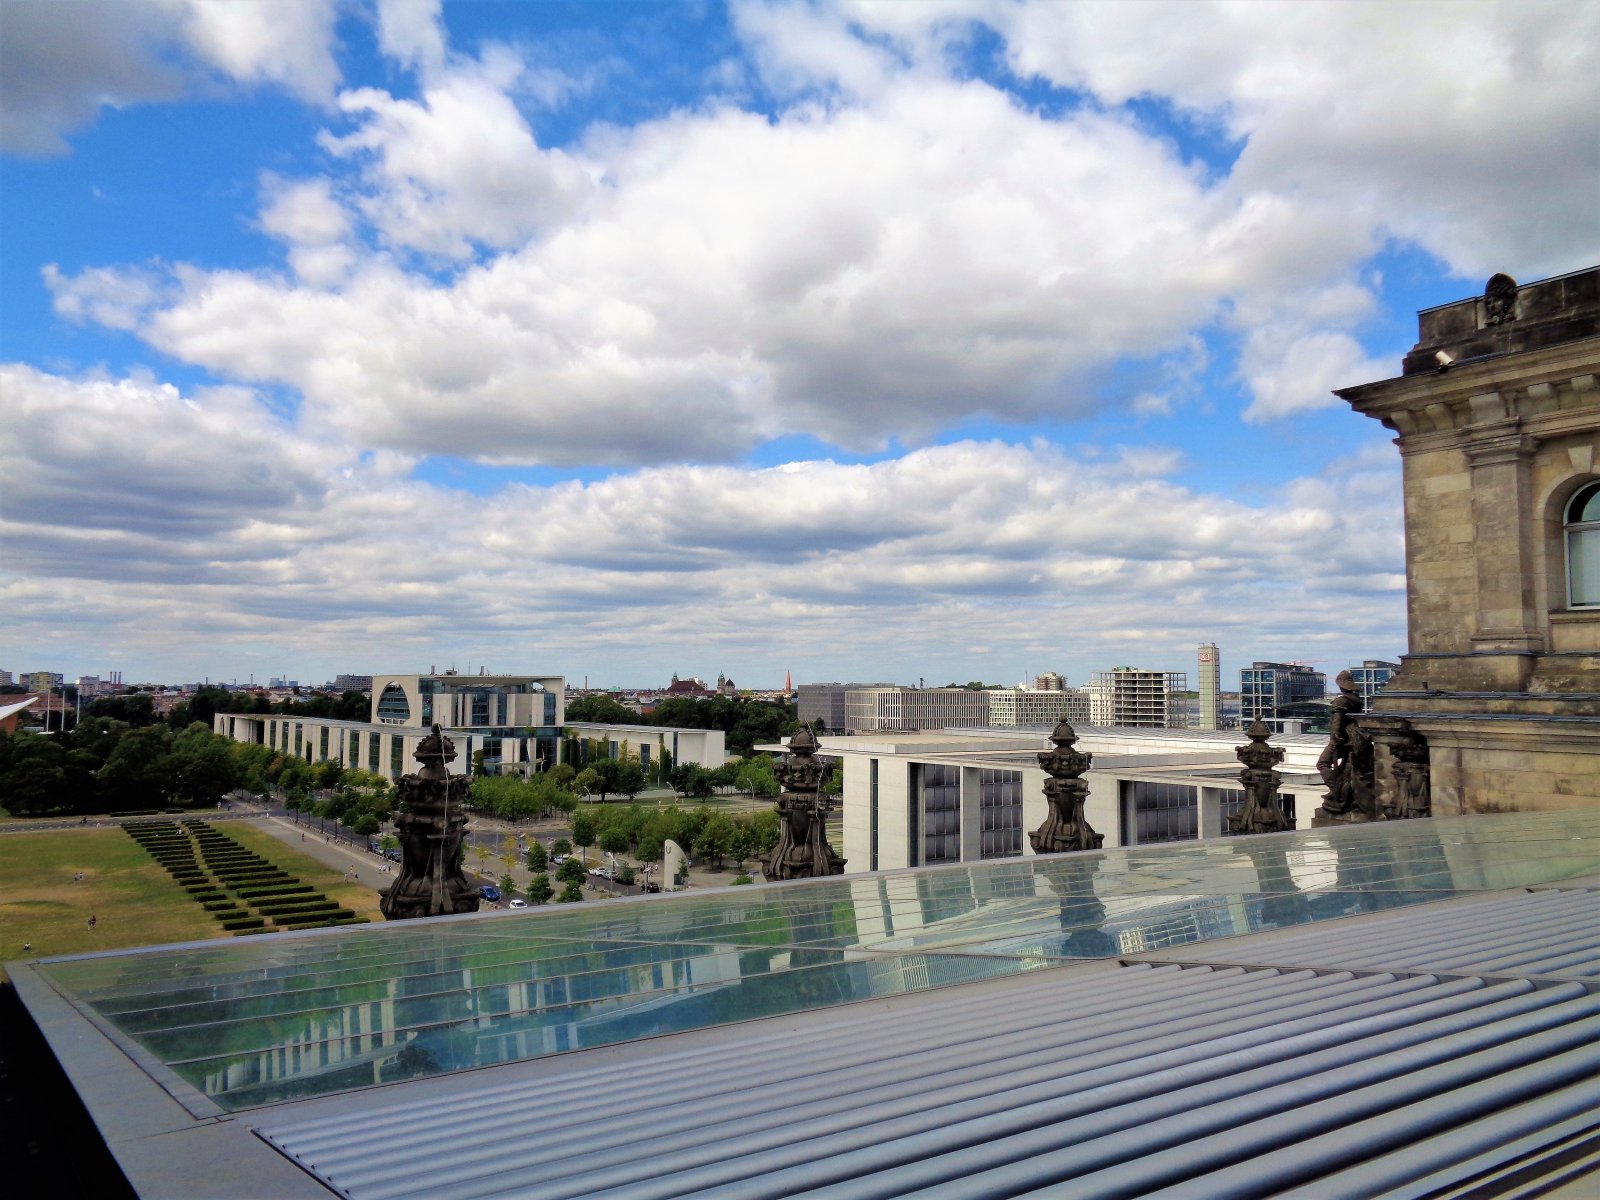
x=253, y=1021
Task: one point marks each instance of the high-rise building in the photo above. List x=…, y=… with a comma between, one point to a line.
x=352, y=683
x=1265, y=687
x=42, y=681
x=1210, y=675
x=1049, y=681
x=1371, y=675
x=5, y=679
x=1136, y=698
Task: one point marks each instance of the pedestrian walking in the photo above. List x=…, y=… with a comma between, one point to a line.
x=91, y=921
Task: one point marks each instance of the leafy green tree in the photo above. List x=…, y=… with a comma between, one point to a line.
x=571, y=871
x=742, y=845
x=755, y=775
x=630, y=779
x=138, y=773
x=715, y=839
x=561, y=846
x=135, y=708
x=539, y=889
x=200, y=767
x=570, y=894
x=614, y=841
x=606, y=772
x=584, y=831
x=538, y=858
x=508, y=885
x=365, y=825
x=352, y=706
x=626, y=875
x=600, y=710
x=32, y=773
x=766, y=826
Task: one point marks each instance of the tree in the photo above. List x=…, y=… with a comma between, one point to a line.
x=755, y=775
x=626, y=875
x=570, y=894
x=715, y=838
x=606, y=772
x=584, y=830
x=614, y=841
x=766, y=827
x=539, y=889
x=571, y=871
x=538, y=858
x=200, y=766
x=561, y=846
x=508, y=885
x=139, y=771
x=630, y=779
x=600, y=710
x=365, y=825
x=742, y=845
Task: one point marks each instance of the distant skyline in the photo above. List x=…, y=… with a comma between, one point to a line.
x=957, y=340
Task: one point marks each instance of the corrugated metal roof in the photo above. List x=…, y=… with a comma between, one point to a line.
x=1388, y=1055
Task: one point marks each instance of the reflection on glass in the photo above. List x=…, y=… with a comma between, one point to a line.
x=293, y=1015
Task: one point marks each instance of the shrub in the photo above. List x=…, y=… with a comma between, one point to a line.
x=245, y=923
x=742, y=879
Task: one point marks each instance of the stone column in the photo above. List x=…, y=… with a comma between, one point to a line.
x=1499, y=456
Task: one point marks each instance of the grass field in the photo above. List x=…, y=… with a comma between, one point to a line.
x=133, y=900
x=360, y=897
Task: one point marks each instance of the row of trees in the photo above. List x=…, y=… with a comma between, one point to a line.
x=138, y=708
x=701, y=832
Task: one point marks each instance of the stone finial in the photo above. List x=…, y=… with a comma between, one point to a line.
x=1065, y=827
x=431, y=823
x=803, y=850
x=1261, y=812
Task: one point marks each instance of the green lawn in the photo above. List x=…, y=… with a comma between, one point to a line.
x=134, y=901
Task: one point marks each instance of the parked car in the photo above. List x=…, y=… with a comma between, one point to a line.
x=557, y=859
x=489, y=892
x=394, y=855
x=649, y=887
x=517, y=904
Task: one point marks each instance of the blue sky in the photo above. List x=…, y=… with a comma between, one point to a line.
x=856, y=340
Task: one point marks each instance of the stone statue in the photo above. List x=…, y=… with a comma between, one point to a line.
x=1346, y=764
x=1065, y=827
x=1412, y=784
x=803, y=850
x=431, y=822
x=1500, y=300
x=1261, y=813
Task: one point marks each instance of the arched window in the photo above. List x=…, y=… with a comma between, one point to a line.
x=1583, y=548
x=393, y=707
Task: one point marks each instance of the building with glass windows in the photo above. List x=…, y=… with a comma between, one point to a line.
x=1497, y=412
x=968, y=795
x=1371, y=676
x=1137, y=699
x=868, y=709
x=509, y=721
x=1009, y=707
x=1267, y=687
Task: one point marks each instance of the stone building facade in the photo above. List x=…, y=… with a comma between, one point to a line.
x=1498, y=415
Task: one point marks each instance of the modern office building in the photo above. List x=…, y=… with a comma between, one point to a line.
x=42, y=681
x=513, y=720
x=1209, y=660
x=1497, y=408
x=1137, y=699
x=1009, y=707
x=873, y=709
x=824, y=702
x=648, y=744
x=968, y=795
x=1371, y=676
x=352, y=683
x=1266, y=687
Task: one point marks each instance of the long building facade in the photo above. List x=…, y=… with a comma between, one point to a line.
x=1265, y=687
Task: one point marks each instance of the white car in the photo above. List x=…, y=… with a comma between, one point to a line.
x=518, y=904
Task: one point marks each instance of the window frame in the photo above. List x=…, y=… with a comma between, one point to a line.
x=1569, y=527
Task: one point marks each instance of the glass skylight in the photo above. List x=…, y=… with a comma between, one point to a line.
x=231, y=1025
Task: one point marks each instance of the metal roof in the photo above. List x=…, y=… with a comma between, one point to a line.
x=1394, y=1009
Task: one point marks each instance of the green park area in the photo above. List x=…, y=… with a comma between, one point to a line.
x=54, y=881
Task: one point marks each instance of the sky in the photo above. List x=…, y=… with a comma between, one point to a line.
x=943, y=340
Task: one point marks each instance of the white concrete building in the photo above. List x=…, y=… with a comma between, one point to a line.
x=968, y=795
x=873, y=709
x=1010, y=707
x=648, y=743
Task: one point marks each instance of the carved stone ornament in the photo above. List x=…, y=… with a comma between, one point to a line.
x=1261, y=812
x=1412, y=778
x=1346, y=764
x=431, y=823
x=1500, y=300
x=803, y=850
x=1065, y=790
